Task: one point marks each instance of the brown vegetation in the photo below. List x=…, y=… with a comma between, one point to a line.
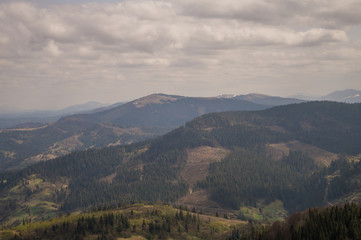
x=322, y=157
x=198, y=161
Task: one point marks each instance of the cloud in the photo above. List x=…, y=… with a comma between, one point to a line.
x=148, y=26
x=321, y=13
x=128, y=44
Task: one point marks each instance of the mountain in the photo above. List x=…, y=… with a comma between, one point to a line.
x=247, y=164
x=160, y=110
x=347, y=96
x=267, y=100
x=16, y=118
x=137, y=120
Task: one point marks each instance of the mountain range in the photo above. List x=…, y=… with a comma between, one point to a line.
x=94, y=125
x=137, y=120
x=17, y=118
x=242, y=163
x=347, y=96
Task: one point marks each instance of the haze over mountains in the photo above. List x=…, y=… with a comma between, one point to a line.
x=12, y=117
x=348, y=96
x=204, y=119
x=117, y=124
x=134, y=121
x=294, y=156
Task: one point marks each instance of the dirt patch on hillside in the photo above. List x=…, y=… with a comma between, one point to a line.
x=109, y=178
x=322, y=157
x=121, y=131
x=59, y=148
x=199, y=199
x=198, y=161
x=25, y=129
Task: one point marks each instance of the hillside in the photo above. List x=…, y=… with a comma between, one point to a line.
x=138, y=120
x=336, y=222
x=259, y=165
x=135, y=222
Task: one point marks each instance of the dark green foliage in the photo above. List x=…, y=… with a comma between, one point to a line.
x=329, y=125
x=347, y=180
x=104, y=226
x=246, y=136
x=156, y=182
x=150, y=171
x=244, y=178
x=113, y=224
x=97, y=129
x=337, y=222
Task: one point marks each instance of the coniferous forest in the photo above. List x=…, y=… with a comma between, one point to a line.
x=242, y=182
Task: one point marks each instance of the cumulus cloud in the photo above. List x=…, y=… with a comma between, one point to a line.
x=171, y=45
x=147, y=26
x=319, y=13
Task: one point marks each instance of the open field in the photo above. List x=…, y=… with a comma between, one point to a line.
x=35, y=207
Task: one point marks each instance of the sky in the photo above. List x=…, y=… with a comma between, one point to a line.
x=57, y=53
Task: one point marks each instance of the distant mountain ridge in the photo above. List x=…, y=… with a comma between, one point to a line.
x=347, y=96
x=161, y=110
x=268, y=100
x=290, y=157
x=78, y=108
x=122, y=124
x=117, y=124
x=11, y=118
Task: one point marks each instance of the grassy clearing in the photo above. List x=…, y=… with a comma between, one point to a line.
x=274, y=211
x=251, y=213
x=271, y=212
x=39, y=205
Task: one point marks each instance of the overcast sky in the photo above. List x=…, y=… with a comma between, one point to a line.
x=59, y=53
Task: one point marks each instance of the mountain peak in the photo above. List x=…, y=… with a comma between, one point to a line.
x=157, y=98
x=347, y=95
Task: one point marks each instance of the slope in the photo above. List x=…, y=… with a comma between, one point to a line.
x=135, y=121
x=242, y=171
x=128, y=222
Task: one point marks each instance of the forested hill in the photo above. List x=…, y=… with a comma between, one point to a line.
x=336, y=222
x=329, y=125
x=137, y=120
x=295, y=156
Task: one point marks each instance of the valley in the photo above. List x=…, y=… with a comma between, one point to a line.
x=245, y=166
x=189, y=120
x=135, y=121
x=234, y=163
